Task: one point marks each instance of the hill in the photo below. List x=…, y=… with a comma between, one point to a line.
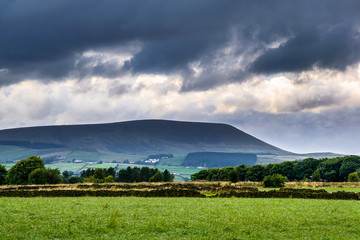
x=139, y=137
x=133, y=141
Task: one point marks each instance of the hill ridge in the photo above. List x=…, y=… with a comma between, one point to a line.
x=138, y=137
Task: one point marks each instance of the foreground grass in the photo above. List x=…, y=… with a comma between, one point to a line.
x=178, y=218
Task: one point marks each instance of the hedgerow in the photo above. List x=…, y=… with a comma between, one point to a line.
x=168, y=190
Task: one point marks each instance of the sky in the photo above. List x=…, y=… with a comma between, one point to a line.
x=287, y=72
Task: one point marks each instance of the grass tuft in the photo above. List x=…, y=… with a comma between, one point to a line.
x=106, y=205
x=113, y=220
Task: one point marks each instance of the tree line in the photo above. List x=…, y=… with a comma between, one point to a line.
x=327, y=169
x=32, y=171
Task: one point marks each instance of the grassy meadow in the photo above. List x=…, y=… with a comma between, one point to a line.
x=178, y=218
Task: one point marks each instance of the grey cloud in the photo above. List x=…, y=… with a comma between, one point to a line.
x=211, y=78
x=331, y=98
x=93, y=66
x=36, y=32
x=44, y=39
x=119, y=89
x=336, y=50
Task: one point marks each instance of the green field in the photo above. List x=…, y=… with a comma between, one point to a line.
x=178, y=218
x=14, y=152
x=66, y=166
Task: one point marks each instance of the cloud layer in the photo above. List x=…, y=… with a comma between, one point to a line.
x=45, y=39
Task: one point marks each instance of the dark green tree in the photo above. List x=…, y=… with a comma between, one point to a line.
x=19, y=173
x=146, y=173
x=53, y=176
x=268, y=170
x=110, y=171
x=168, y=177
x=99, y=175
x=305, y=168
x=158, y=177
x=75, y=179
x=3, y=173
x=38, y=176
x=233, y=176
x=224, y=173
x=329, y=169
x=135, y=174
x=66, y=174
x=349, y=165
x=213, y=175
x=255, y=173
x=123, y=175
x=201, y=175
x=285, y=169
x=45, y=176
x=241, y=172
x=87, y=173
x=136, y=177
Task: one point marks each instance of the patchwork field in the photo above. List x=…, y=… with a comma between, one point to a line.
x=178, y=218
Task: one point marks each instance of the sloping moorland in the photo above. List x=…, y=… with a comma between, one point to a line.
x=122, y=144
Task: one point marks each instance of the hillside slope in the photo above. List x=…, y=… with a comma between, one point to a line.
x=139, y=137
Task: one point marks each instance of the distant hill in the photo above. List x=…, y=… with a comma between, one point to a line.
x=141, y=137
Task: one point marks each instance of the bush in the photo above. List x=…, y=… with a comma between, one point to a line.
x=75, y=179
x=158, y=177
x=315, y=177
x=38, y=176
x=109, y=179
x=353, y=177
x=275, y=180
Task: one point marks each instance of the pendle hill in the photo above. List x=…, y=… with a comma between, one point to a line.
x=173, y=143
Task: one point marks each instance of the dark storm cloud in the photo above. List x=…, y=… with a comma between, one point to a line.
x=336, y=50
x=45, y=39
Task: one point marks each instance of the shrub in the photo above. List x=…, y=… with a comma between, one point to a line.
x=109, y=179
x=353, y=177
x=75, y=179
x=315, y=177
x=275, y=180
x=158, y=177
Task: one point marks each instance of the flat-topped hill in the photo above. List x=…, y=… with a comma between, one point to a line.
x=139, y=137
